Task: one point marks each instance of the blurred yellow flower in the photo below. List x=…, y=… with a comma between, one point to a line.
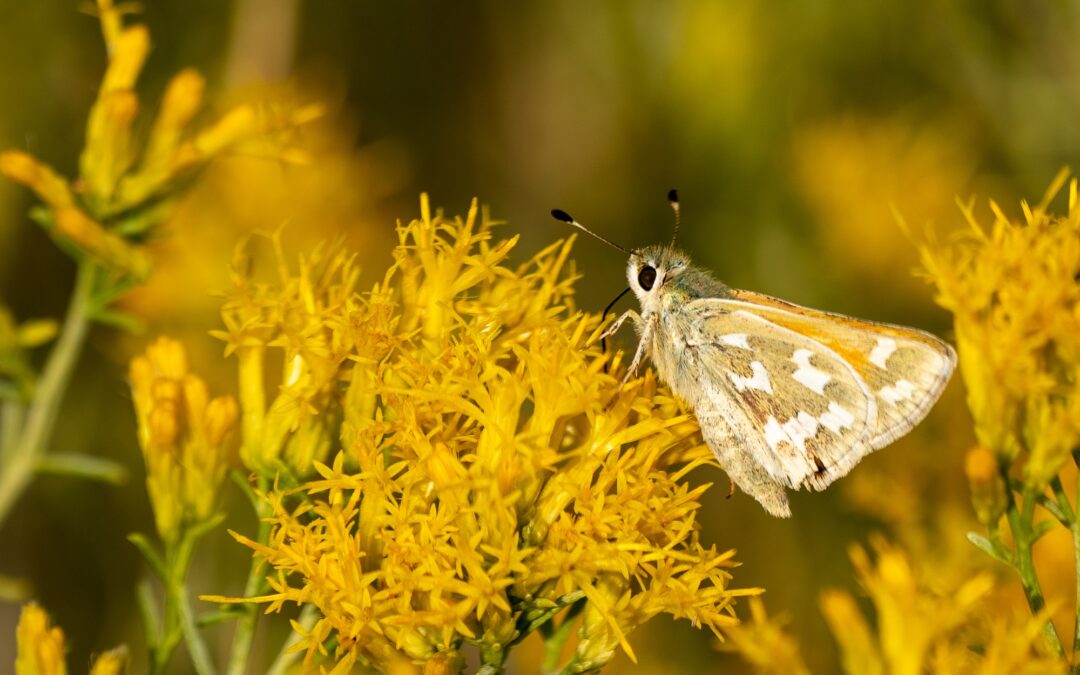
x=125, y=182
x=492, y=474
x=764, y=644
x=40, y=646
x=851, y=171
x=920, y=628
x=185, y=436
x=1015, y=301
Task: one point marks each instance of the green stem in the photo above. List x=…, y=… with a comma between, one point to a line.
x=11, y=417
x=245, y=625
x=554, y=643
x=1021, y=525
x=41, y=418
x=284, y=660
x=1076, y=560
x=178, y=617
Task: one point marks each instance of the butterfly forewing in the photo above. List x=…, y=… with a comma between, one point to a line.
x=797, y=404
x=905, y=369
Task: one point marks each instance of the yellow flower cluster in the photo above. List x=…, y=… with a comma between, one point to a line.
x=313, y=319
x=491, y=475
x=1013, y=293
x=40, y=648
x=921, y=628
x=185, y=437
x=123, y=185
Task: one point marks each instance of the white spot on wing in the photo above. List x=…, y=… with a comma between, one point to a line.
x=736, y=340
x=902, y=390
x=759, y=379
x=774, y=433
x=879, y=355
x=800, y=428
x=807, y=375
x=836, y=418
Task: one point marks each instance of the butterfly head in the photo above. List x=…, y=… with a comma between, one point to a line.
x=652, y=269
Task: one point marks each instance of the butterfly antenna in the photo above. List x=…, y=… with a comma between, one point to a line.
x=673, y=199
x=559, y=214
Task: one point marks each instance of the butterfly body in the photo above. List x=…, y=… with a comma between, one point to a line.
x=787, y=397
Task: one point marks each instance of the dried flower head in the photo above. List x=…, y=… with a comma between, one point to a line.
x=491, y=473
x=186, y=437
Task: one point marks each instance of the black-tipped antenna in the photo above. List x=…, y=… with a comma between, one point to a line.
x=673, y=199
x=559, y=214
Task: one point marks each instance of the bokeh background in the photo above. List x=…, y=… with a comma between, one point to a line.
x=793, y=131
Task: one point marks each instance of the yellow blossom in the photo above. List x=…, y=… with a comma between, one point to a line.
x=763, y=643
x=112, y=662
x=921, y=628
x=185, y=437
x=491, y=475
x=313, y=320
x=40, y=646
x=125, y=180
x=988, y=494
x=1016, y=306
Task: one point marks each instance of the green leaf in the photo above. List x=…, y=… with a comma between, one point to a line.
x=36, y=332
x=1041, y=529
x=148, y=612
x=119, y=319
x=995, y=551
x=79, y=465
x=219, y=616
x=147, y=549
x=13, y=589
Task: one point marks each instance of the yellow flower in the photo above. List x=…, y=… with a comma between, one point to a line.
x=921, y=628
x=125, y=182
x=112, y=662
x=40, y=646
x=313, y=319
x=491, y=474
x=763, y=643
x=988, y=494
x=185, y=437
x=1013, y=294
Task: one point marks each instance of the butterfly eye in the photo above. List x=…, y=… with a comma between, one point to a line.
x=647, y=277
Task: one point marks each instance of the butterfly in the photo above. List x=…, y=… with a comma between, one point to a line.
x=787, y=397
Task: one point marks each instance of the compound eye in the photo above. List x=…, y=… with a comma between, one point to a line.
x=647, y=277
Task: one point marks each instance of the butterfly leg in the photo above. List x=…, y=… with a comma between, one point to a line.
x=617, y=324
x=642, y=348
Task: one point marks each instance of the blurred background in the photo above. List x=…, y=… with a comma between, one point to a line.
x=792, y=131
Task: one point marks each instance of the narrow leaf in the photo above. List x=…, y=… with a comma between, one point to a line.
x=79, y=465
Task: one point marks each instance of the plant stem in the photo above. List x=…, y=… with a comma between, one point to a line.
x=245, y=625
x=554, y=643
x=1021, y=525
x=11, y=417
x=42, y=414
x=1075, y=528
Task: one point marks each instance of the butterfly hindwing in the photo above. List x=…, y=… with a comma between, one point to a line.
x=906, y=369
x=793, y=402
